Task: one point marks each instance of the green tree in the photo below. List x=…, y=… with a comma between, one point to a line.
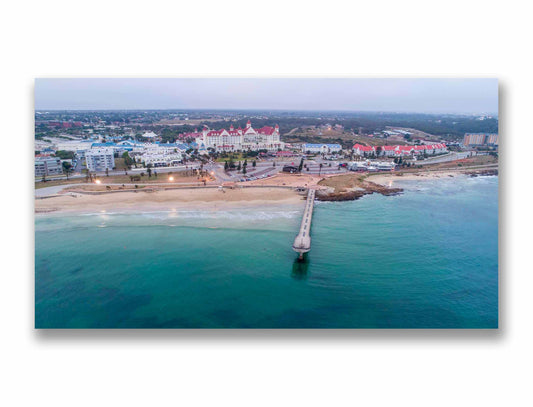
x=239, y=166
x=254, y=163
x=301, y=165
x=64, y=155
x=128, y=161
x=149, y=170
x=320, y=169
x=67, y=168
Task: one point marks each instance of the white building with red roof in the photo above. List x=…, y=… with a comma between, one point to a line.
x=264, y=138
x=361, y=150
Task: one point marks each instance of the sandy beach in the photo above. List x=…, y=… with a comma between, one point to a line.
x=208, y=198
x=273, y=190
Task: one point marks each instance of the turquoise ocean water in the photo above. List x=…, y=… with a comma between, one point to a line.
x=425, y=259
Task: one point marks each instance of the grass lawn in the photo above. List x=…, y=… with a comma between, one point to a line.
x=119, y=163
x=53, y=183
x=236, y=157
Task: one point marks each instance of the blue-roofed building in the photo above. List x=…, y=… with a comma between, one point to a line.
x=321, y=148
x=128, y=145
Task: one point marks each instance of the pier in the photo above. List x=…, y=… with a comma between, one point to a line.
x=302, y=242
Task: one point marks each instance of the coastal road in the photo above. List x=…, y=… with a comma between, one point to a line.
x=54, y=190
x=234, y=176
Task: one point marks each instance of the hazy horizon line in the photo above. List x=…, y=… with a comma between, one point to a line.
x=268, y=109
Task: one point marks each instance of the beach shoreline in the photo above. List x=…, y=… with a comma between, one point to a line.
x=282, y=190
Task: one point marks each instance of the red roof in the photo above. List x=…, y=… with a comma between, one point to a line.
x=363, y=148
x=266, y=130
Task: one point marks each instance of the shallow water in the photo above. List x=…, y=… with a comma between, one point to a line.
x=425, y=259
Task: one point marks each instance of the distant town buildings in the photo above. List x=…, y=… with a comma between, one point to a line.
x=100, y=159
x=480, y=139
x=72, y=145
x=47, y=166
x=150, y=135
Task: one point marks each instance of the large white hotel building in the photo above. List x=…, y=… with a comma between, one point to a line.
x=264, y=138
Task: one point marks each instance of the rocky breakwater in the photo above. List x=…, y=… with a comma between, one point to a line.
x=351, y=187
x=482, y=173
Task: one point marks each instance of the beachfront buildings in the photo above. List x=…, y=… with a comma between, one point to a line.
x=48, y=166
x=399, y=151
x=100, y=159
x=480, y=139
x=97, y=156
x=321, y=148
x=247, y=139
x=164, y=155
x=159, y=154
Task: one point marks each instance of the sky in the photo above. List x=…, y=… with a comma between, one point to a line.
x=424, y=95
